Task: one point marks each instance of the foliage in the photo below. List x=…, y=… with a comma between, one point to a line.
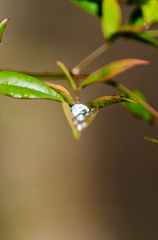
x=142, y=17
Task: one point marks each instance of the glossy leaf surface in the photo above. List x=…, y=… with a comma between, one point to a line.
x=106, y=101
x=2, y=27
x=69, y=116
x=63, y=92
x=138, y=111
x=18, y=85
x=93, y=7
x=64, y=69
x=111, y=17
x=111, y=70
x=151, y=140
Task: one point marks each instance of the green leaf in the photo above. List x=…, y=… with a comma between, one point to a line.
x=106, y=101
x=150, y=12
x=143, y=37
x=2, y=27
x=69, y=78
x=111, y=70
x=93, y=7
x=69, y=116
x=111, y=17
x=151, y=140
x=18, y=85
x=138, y=111
x=63, y=92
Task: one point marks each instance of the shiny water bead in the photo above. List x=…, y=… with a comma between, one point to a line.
x=78, y=108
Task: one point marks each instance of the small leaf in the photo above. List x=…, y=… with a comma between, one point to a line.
x=111, y=70
x=93, y=7
x=18, y=85
x=69, y=117
x=63, y=92
x=64, y=69
x=111, y=17
x=2, y=27
x=138, y=111
x=106, y=101
x=151, y=140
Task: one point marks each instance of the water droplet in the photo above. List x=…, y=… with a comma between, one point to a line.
x=79, y=127
x=80, y=117
x=12, y=93
x=25, y=95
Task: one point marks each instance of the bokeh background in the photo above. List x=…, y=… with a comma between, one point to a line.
x=105, y=186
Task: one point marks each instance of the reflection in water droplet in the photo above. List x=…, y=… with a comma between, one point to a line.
x=79, y=127
x=80, y=117
x=25, y=95
x=84, y=124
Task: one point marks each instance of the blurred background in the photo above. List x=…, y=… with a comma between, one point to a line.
x=105, y=186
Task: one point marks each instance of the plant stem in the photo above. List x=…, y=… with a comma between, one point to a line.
x=49, y=75
x=134, y=96
x=88, y=59
x=77, y=89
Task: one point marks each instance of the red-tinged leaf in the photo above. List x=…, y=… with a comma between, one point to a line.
x=77, y=125
x=106, y=101
x=2, y=27
x=69, y=117
x=111, y=17
x=69, y=78
x=151, y=140
x=111, y=70
x=63, y=92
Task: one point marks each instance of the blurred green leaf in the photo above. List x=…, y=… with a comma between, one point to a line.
x=143, y=37
x=63, y=92
x=93, y=7
x=138, y=111
x=150, y=12
x=111, y=17
x=18, y=85
x=69, y=78
x=138, y=36
x=106, y=101
x=151, y=140
x=69, y=116
x=111, y=70
x=2, y=27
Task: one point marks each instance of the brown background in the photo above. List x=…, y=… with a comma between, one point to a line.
x=51, y=187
